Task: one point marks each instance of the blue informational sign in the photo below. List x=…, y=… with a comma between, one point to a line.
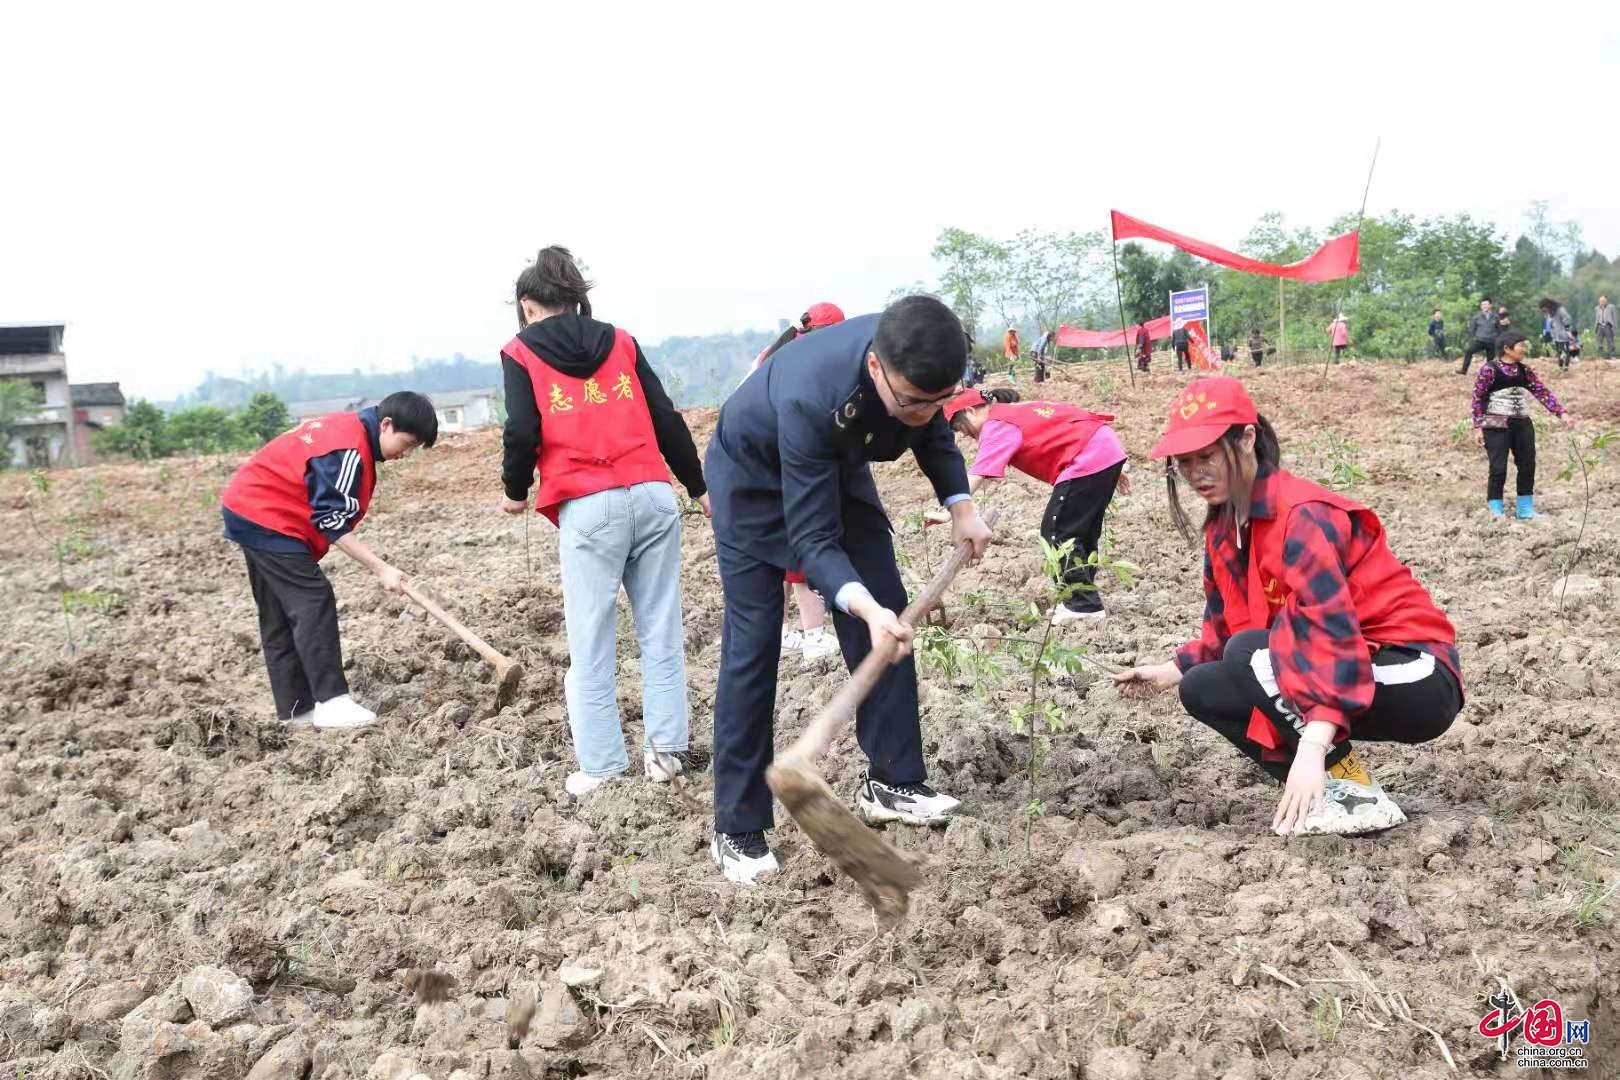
x=1190, y=305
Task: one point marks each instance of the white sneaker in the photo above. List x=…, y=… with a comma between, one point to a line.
x=819, y=644
x=1063, y=613
x=742, y=857
x=909, y=804
x=1351, y=809
x=791, y=640
x=580, y=785
x=342, y=712
x=662, y=766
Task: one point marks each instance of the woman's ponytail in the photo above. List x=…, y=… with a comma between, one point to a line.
x=553, y=281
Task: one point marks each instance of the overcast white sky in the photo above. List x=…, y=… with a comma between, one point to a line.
x=218, y=186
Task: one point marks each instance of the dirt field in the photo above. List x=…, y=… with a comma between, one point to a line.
x=155, y=820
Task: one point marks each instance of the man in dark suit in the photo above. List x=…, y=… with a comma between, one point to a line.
x=790, y=487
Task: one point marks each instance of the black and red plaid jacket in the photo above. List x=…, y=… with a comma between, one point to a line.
x=1323, y=663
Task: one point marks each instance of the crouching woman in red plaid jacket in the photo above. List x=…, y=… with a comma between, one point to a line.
x=1313, y=630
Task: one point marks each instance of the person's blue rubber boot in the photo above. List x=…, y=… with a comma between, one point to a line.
x=1494, y=506
x=1525, y=510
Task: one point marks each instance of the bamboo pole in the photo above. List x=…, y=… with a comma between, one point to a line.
x=1282, y=325
x=1119, y=296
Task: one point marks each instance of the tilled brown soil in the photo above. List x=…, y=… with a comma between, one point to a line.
x=155, y=820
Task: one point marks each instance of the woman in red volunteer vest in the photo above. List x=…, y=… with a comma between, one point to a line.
x=588, y=415
x=811, y=639
x=291, y=502
x=1314, y=632
x=1064, y=445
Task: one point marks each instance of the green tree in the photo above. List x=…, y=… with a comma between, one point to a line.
x=204, y=429
x=19, y=398
x=1147, y=280
x=1049, y=278
x=971, y=265
x=143, y=433
x=263, y=418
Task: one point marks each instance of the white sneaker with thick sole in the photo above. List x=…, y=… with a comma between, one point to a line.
x=1064, y=614
x=1351, y=809
x=819, y=644
x=742, y=857
x=791, y=640
x=909, y=804
x=580, y=785
x=342, y=712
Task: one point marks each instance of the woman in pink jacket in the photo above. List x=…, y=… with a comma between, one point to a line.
x=1339, y=333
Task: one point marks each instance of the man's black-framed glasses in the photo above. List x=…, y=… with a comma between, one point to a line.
x=910, y=404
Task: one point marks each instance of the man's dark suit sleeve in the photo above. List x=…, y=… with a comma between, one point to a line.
x=940, y=459
x=810, y=498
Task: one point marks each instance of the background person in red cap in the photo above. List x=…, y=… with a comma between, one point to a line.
x=815, y=317
x=1313, y=630
x=811, y=639
x=1073, y=450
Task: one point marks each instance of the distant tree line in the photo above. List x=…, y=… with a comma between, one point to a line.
x=1410, y=267
x=148, y=432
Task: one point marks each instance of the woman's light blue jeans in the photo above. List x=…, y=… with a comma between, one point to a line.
x=630, y=537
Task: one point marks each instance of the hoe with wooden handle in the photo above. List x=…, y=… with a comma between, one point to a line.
x=884, y=876
x=508, y=672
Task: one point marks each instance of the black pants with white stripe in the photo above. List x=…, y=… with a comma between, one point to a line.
x=1415, y=700
x=298, y=629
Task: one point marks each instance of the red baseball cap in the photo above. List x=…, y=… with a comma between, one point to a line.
x=1202, y=413
x=971, y=398
x=824, y=315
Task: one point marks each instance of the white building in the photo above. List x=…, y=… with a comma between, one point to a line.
x=466, y=410
x=457, y=410
x=32, y=353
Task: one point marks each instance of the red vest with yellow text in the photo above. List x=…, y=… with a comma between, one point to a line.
x=1392, y=607
x=595, y=433
x=1054, y=435
x=270, y=490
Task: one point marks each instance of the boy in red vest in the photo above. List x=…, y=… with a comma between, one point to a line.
x=587, y=413
x=1313, y=630
x=1073, y=450
x=292, y=501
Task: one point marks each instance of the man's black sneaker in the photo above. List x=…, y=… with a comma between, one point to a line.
x=910, y=804
x=742, y=857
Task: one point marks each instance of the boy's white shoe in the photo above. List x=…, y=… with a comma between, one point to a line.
x=342, y=712
x=791, y=639
x=819, y=644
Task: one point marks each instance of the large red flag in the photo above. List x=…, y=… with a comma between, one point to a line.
x=1338, y=258
x=1072, y=337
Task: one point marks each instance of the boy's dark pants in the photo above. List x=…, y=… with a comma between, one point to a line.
x=298, y=629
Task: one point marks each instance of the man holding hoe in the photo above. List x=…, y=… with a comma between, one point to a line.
x=790, y=486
